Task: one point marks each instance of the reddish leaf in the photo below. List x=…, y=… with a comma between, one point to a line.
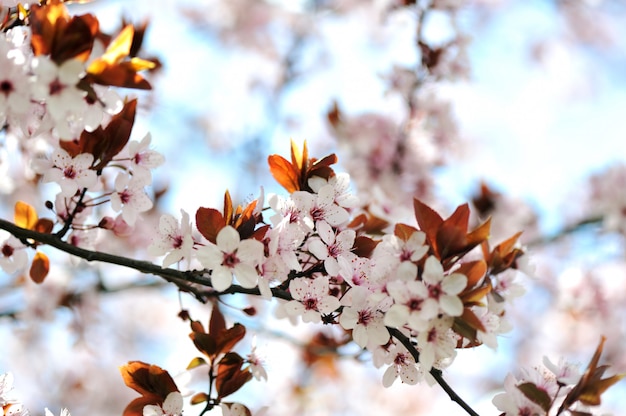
x=404, y=232
x=284, y=173
x=228, y=338
x=205, y=343
x=230, y=377
x=209, y=222
x=536, y=395
x=217, y=323
x=364, y=246
x=474, y=271
x=135, y=408
x=25, y=215
x=148, y=379
x=428, y=221
x=228, y=207
x=479, y=234
x=39, y=268
x=44, y=226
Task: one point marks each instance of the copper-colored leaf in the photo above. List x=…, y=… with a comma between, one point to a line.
x=205, y=343
x=119, y=48
x=135, y=408
x=25, y=215
x=44, y=226
x=230, y=377
x=43, y=20
x=209, y=222
x=217, y=323
x=199, y=398
x=147, y=379
x=479, y=234
x=299, y=159
x=364, y=246
x=228, y=338
x=428, y=220
x=536, y=395
x=228, y=207
x=474, y=271
x=592, y=392
x=39, y=268
x=404, y=231
x=284, y=173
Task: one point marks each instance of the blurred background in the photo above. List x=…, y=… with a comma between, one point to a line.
x=514, y=106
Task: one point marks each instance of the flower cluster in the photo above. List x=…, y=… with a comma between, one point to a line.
x=57, y=101
x=334, y=264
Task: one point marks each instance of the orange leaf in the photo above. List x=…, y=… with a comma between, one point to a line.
x=228, y=207
x=284, y=173
x=119, y=48
x=39, y=268
x=44, y=226
x=25, y=215
x=474, y=271
x=228, y=338
x=298, y=159
x=230, y=377
x=404, y=232
x=428, y=220
x=199, y=398
x=148, y=379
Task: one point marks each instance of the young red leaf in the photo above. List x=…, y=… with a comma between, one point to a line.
x=536, y=395
x=44, y=226
x=209, y=222
x=148, y=379
x=217, y=323
x=474, y=271
x=230, y=377
x=39, y=268
x=205, y=343
x=135, y=407
x=428, y=221
x=404, y=231
x=284, y=173
x=364, y=246
x=228, y=207
x=227, y=339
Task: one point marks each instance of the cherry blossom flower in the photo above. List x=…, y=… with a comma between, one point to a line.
x=292, y=213
x=56, y=86
x=173, y=239
x=438, y=342
x=565, y=372
x=330, y=247
x=172, y=406
x=231, y=256
x=256, y=363
x=130, y=197
x=412, y=305
x=513, y=402
x=143, y=159
x=324, y=208
x=402, y=365
x=398, y=257
x=13, y=257
x=363, y=317
x=8, y=405
x=71, y=173
x=341, y=189
x=14, y=84
x=444, y=288
x=311, y=299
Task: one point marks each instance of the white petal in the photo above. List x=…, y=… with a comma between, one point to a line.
x=228, y=239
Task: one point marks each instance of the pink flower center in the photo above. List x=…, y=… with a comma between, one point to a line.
x=310, y=304
x=7, y=250
x=69, y=172
x=415, y=304
x=6, y=87
x=230, y=260
x=365, y=317
x=334, y=251
x=125, y=196
x=56, y=87
x=317, y=214
x=435, y=291
x=177, y=241
x=406, y=255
